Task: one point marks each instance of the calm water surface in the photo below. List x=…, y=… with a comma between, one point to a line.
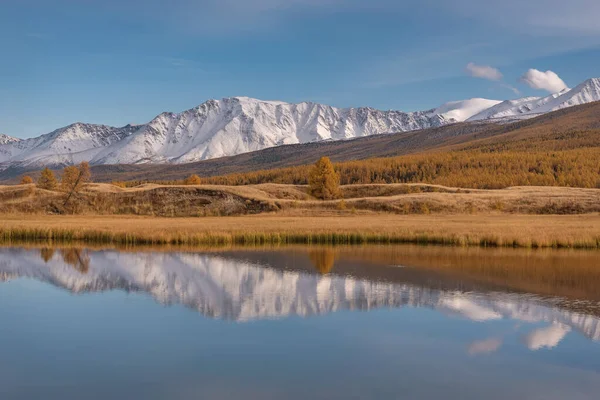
x=298, y=323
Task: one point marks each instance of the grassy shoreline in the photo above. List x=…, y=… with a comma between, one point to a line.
x=487, y=230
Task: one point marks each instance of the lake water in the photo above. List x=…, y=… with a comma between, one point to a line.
x=299, y=323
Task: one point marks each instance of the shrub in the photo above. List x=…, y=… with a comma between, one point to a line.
x=26, y=180
x=192, y=180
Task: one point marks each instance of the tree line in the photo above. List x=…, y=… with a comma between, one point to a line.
x=467, y=169
x=479, y=169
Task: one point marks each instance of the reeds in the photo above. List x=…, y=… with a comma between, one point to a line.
x=57, y=235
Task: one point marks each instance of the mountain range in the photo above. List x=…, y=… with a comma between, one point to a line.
x=220, y=128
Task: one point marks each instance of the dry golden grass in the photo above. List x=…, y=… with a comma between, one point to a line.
x=271, y=213
x=215, y=200
x=577, y=231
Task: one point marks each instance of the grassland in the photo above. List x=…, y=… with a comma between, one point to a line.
x=294, y=200
x=578, y=231
x=533, y=217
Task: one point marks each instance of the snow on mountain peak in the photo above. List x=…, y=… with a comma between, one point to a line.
x=462, y=110
x=5, y=139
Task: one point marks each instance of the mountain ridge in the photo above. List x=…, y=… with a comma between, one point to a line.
x=568, y=128
x=237, y=125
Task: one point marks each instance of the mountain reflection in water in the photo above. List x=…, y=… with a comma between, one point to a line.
x=243, y=285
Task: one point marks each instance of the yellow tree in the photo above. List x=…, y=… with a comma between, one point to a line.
x=192, y=180
x=323, y=181
x=47, y=180
x=26, y=180
x=74, y=179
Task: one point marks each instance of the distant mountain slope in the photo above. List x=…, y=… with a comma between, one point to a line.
x=508, y=108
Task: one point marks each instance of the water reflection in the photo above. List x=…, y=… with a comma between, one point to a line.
x=486, y=346
x=547, y=337
x=77, y=258
x=243, y=285
x=323, y=259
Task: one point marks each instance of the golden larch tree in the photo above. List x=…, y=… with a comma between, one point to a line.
x=74, y=178
x=47, y=180
x=192, y=180
x=323, y=181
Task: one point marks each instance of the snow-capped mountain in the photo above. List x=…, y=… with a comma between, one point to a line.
x=239, y=290
x=231, y=126
x=216, y=128
x=69, y=145
x=239, y=125
x=463, y=110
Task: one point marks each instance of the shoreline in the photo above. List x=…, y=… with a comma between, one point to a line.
x=479, y=230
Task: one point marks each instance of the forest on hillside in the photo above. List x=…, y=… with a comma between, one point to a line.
x=480, y=169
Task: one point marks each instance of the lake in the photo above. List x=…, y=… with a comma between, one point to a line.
x=299, y=323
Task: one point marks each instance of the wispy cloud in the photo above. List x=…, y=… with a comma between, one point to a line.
x=548, y=80
x=511, y=88
x=483, y=71
x=489, y=73
x=487, y=346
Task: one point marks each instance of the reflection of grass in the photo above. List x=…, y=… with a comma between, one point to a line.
x=457, y=230
x=566, y=273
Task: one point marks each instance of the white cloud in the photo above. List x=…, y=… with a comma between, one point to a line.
x=544, y=80
x=548, y=337
x=483, y=71
x=487, y=346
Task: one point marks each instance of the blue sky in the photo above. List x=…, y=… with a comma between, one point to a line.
x=118, y=62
